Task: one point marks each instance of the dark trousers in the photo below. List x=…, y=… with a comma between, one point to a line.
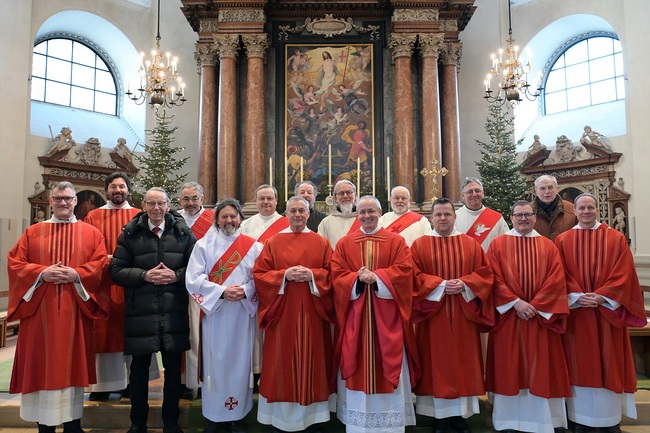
x=139, y=384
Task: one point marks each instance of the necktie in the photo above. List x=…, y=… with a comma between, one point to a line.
x=156, y=230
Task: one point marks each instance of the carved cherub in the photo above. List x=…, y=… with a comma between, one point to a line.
x=63, y=141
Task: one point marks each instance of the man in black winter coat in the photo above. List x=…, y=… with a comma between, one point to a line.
x=149, y=261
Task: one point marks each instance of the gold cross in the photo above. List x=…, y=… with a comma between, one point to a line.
x=434, y=172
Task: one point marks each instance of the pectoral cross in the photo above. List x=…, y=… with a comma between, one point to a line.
x=434, y=172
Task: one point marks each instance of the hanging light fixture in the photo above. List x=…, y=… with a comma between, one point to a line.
x=159, y=81
x=511, y=75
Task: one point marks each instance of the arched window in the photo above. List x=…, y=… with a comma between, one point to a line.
x=69, y=72
x=587, y=70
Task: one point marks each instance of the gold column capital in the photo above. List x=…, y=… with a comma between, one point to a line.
x=451, y=53
x=205, y=54
x=430, y=44
x=255, y=45
x=227, y=45
x=402, y=44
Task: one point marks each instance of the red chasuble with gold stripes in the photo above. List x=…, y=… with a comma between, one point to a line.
x=528, y=354
x=374, y=331
x=597, y=343
x=448, y=332
x=297, y=351
x=109, y=334
x=54, y=349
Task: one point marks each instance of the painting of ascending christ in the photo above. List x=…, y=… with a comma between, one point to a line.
x=329, y=119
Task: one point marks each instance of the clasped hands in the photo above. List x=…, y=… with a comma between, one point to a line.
x=234, y=293
x=454, y=287
x=367, y=276
x=525, y=310
x=59, y=274
x=160, y=275
x=590, y=300
x=299, y=273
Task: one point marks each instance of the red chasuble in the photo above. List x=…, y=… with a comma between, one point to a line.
x=203, y=224
x=597, y=344
x=54, y=349
x=374, y=331
x=448, y=332
x=109, y=334
x=297, y=351
x=528, y=354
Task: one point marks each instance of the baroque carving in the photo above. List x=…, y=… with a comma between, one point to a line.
x=241, y=15
x=430, y=44
x=208, y=26
x=401, y=44
x=566, y=151
x=449, y=25
x=451, y=53
x=328, y=27
x=255, y=45
x=227, y=45
x=415, y=15
x=206, y=54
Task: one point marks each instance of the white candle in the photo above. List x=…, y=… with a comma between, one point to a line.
x=329, y=168
x=388, y=176
x=358, y=177
x=271, y=171
x=286, y=178
x=301, y=172
x=373, y=175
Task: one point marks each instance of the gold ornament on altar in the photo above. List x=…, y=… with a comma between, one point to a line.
x=434, y=172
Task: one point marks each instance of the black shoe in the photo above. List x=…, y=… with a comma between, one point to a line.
x=73, y=426
x=613, y=429
x=439, y=425
x=581, y=428
x=314, y=428
x=187, y=393
x=172, y=429
x=42, y=428
x=137, y=429
x=210, y=427
x=126, y=392
x=508, y=431
x=99, y=396
x=559, y=430
x=458, y=424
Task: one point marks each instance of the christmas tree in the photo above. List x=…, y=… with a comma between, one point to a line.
x=158, y=163
x=498, y=167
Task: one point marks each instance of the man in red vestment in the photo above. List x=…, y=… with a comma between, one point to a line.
x=54, y=273
x=295, y=312
x=452, y=305
x=108, y=334
x=199, y=219
x=526, y=368
x=372, y=275
x=605, y=299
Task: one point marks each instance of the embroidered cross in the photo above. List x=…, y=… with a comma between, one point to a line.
x=198, y=297
x=231, y=403
x=234, y=260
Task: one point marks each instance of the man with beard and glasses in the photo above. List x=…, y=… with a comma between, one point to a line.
x=402, y=220
x=295, y=311
x=109, y=334
x=220, y=281
x=199, y=219
x=343, y=220
x=54, y=273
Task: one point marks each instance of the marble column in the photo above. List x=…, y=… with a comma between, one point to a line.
x=429, y=50
x=450, y=56
x=401, y=45
x=255, y=144
x=206, y=58
x=227, y=173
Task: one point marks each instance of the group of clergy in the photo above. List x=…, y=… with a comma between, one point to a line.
x=355, y=311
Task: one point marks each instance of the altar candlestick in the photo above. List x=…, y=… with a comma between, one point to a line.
x=358, y=176
x=271, y=171
x=301, y=172
x=329, y=166
x=388, y=176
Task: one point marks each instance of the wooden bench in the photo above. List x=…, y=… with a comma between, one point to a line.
x=640, y=341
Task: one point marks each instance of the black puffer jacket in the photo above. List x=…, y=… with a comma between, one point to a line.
x=156, y=316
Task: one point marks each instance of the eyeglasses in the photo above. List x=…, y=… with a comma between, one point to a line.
x=60, y=199
x=190, y=199
x=153, y=204
x=523, y=216
x=344, y=193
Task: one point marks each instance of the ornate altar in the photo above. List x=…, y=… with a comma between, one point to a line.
x=587, y=166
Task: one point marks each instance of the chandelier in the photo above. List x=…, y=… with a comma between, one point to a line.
x=159, y=81
x=511, y=75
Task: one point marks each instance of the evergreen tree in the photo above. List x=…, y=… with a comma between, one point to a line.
x=158, y=163
x=498, y=167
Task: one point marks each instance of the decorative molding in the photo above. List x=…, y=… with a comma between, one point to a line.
x=451, y=53
x=74, y=174
x=255, y=45
x=241, y=15
x=328, y=27
x=401, y=44
x=208, y=26
x=415, y=15
x=227, y=45
x=206, y=55
x=430, y=44
x=448, y=25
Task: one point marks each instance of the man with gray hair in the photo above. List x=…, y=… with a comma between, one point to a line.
x=343, y=220
x=267, y=222
x=220, y=281
x=475, y=220
x=402, y=220
x=54, y=290
x=307, y=190
x=554, y=215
